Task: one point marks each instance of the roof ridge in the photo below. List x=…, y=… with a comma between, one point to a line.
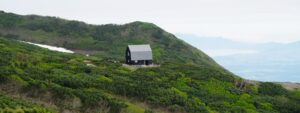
x=142, y=47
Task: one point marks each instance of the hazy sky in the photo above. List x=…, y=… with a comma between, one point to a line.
x=243, y=20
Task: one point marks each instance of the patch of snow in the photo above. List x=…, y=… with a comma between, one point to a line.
x=52, y=48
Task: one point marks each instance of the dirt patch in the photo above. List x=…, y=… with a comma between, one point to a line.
x=291, y=86
x=85, y=52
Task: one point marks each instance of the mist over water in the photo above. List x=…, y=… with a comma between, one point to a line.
x=276, y=62
x=263, y=72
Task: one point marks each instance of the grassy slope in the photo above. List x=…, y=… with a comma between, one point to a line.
x=58, y=77
x=187, y=81
x=26, y=69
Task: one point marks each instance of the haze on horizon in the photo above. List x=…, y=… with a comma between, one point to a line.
x=255, y=21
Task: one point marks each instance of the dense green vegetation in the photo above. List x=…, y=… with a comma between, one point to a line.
x=186, y=81
x=174, y=86
x=9, y=105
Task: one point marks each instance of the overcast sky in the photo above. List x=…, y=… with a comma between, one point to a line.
x=242, y=20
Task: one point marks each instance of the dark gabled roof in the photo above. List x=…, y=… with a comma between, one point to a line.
x=140, y=52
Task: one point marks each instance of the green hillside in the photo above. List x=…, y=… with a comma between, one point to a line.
x=187, y=81
x=102, y=40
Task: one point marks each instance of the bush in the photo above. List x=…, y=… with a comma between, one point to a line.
x=268, y=88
